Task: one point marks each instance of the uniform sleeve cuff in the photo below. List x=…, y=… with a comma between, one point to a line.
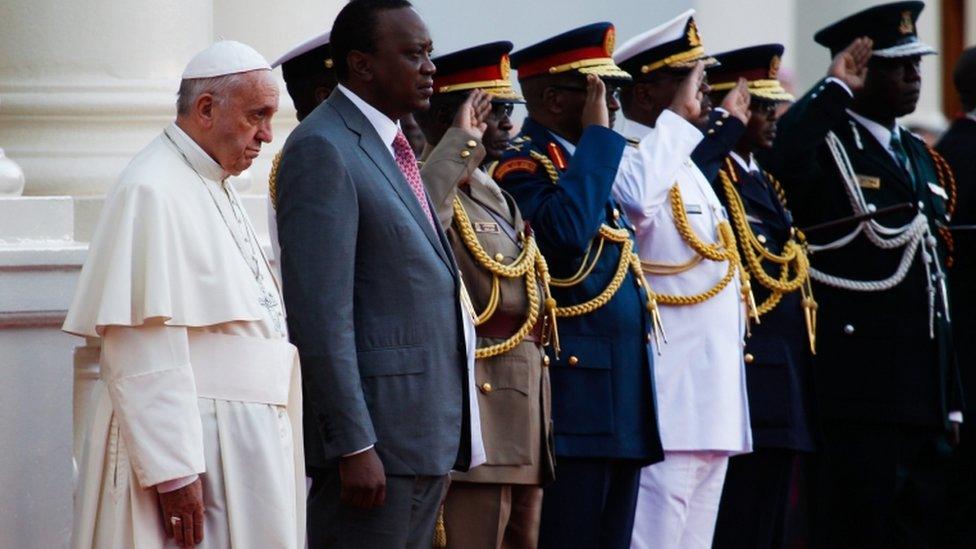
x=840, y=83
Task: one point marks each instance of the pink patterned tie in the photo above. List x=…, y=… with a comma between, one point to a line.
x=407, y=163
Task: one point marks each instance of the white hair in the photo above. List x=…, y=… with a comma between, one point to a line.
x=220, y=87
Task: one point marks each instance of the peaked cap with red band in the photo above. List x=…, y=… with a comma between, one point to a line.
x=485, y=67
x=586, y=50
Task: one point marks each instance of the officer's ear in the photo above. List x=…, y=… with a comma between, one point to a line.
x=360, y=66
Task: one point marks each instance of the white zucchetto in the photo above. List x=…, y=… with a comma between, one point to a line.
x=223, y=58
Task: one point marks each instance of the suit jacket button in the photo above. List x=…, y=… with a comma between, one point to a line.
x=465, y=154
x=749, y=358
x=572, y=361
x=471, y=144
x=486, y=387
x=546, y=360
x=848, y=329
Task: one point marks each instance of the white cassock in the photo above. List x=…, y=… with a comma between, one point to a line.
x=699, y=374
x=199, y=376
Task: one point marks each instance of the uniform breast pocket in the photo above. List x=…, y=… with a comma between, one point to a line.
x=506, y=409
x=582, y=387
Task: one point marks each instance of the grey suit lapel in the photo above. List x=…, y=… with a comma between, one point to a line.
x=377, y=152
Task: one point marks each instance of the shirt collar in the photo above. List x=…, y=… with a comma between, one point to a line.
x=880, y=133
x=198, y=158
x=634, y=130
x=750, y=166
x=387, y=129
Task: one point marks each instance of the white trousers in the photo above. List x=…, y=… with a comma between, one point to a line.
x=678, y=501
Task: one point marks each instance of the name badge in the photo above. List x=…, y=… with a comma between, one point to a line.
x=485, y=227
x=868, y=181
x=693, y=208
x=938, y=190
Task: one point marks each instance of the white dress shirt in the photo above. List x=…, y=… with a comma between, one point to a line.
x=385, y=127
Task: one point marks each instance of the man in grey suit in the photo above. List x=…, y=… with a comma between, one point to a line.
x=372, y=294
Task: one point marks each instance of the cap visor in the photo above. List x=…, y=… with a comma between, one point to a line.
x=906, y=50
x=607, y=72
x=504, y=95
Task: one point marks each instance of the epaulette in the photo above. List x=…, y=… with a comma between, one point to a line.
x=273, y=181
x=512, y=165
x=556, y=155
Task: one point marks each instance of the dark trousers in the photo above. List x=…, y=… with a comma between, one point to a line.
x=406, y=520
x=755, y=500
x=881, y=485
x=590, y=505
x=961, y=531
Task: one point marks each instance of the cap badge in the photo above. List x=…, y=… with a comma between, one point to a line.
x=694, y=40
x=906, y=26
x=774, y=67
x=328, y=63
x=609, y=41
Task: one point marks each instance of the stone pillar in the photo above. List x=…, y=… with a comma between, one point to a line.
x=85, y=85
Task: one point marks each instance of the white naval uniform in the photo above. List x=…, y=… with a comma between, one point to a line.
x=199, y=377
x=699, y=373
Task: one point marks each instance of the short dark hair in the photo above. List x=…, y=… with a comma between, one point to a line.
x=355, y=29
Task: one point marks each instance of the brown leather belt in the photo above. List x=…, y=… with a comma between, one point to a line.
x=502, y=326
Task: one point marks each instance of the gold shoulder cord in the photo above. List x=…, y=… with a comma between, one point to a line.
x=948, y=182
x=793, y=258
x=273, y=181
x=629, y=260
x=723, y=250
x=528, y=265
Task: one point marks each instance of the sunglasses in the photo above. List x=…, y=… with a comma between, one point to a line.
x=612, y=90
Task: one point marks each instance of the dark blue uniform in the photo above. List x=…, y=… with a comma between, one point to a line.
x=602, y=382
x=884, y=386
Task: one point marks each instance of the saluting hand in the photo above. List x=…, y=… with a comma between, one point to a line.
x=183, y=514
x=687, y=101
x=473, y=115
x=737, y=101
x=595, y=111
x=851, y=65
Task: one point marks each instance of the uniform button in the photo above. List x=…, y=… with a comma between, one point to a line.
x=465, y=154
x=616, y=213
x=499, y=256
x=872, y=208
x=848, y=329
x=546, y=360
x=639, y=281
x=718, y=122
x=813, y=96
x=749, y=358
x=572, y=361
x=710, y=132
x=648, y=337
x=472, y=144
x=921, y=206
x=761, y=238
x=486, y=387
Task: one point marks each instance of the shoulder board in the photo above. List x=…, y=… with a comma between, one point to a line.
x=512, y=165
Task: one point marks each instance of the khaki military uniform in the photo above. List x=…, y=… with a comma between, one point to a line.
x=497, y=504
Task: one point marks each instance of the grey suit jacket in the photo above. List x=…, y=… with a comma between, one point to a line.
x=371, y=291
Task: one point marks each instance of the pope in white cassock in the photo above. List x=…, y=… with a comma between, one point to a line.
x=197, y=439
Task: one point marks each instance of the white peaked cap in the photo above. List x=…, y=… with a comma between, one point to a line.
x=223, y=58
x=304, y=47
x=661, y=34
